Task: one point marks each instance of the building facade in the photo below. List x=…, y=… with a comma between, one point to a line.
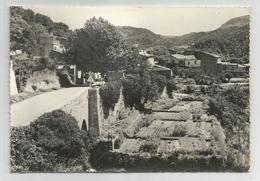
x=186, y=60
x=209, y=61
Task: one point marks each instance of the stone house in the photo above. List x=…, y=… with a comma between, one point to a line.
x=186, y=60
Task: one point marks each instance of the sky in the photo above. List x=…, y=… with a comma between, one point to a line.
x=164, y=20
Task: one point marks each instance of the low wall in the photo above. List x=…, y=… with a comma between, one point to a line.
x=78, y=108
x=94, y=111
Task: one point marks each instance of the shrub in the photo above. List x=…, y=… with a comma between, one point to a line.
x=189, y=90
x=59, y=132
x=110, y=93
x=180, y=130
x=160, y=80
x=237, y=96
x=149, y=146
x=214, y=107
x=53, y=142
x=171, y=85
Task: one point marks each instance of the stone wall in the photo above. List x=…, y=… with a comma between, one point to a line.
x=78, y=108
x=42, y=80
x=95, y=112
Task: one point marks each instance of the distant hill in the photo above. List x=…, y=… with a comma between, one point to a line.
x=231, y=40
x=237, y=22
x=142, y=37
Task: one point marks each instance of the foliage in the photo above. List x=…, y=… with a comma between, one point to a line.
x=223, y=43
x=176, y=162
x=53, y=142
x=162, y=55
x=138, y=89
x=23, y=69
x=180, y=130
x=189, y=89
x=237, y=96
x=98, y=47
x=110, y=93
x=171, y=86
x=26, y=27
x=230, y=106
x=160, y=80
x=149, y=146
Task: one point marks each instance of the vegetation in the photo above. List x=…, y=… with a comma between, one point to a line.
x=99, y=47
x=162, y=55
x=171, y=85
x=52, y=143
x=26, y=27
x=23, y=69
x=110, y=93
x=231, y=108
x=160, y=80
x=150, y=146
x=138, y=89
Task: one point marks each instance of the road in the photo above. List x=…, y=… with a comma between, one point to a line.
x=24, y=112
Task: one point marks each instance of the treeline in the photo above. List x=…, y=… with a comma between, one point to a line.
x=138, y=89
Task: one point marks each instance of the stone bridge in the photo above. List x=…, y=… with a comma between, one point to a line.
x=83, y=103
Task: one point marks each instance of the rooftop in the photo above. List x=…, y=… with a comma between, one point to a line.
x=187, y=57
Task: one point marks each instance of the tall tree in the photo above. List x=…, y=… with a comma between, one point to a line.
x=99, y=47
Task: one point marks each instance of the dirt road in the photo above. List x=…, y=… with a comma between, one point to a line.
x=24, y=112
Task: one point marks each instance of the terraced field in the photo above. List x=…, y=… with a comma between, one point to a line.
x=182, y=128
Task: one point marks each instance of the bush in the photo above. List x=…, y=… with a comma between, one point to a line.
x=237, y=96
x=110, y=93
x=171, y=85
x=59, y=132
x=180, y=130
x=149, y=146
x=160, y=80
x=214, y=107
x=53, y=142
x=189, y=90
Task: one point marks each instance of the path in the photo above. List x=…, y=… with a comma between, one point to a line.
x=22, y=113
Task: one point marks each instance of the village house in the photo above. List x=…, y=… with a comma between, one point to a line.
x=213, y=65
x=209, y=61
x=58, y=44
x=186, y=60
x=153, y=67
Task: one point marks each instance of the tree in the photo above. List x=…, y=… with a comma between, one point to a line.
x=110, y=93
x=160, y=80
x=171, y=85
x=139, y=88
x=99, y=47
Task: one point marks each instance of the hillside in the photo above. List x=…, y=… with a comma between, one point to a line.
x=26, y=26
x=231, y=40
x=141, y=36
x=237, y=22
